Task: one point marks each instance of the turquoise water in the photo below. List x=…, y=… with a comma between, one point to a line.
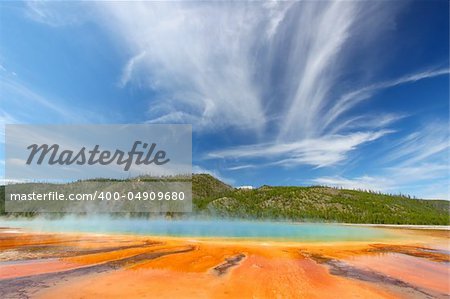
x=206, y=228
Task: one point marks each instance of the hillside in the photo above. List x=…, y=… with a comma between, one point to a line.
x=320, y=204
x=211, y=197
x=205, y=185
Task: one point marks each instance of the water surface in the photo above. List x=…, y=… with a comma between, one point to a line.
x=206, y=228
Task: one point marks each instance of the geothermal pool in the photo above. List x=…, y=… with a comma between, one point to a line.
x=135, y=258
x=207, y=228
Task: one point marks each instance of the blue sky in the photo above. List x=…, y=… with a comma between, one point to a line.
x=350, y=94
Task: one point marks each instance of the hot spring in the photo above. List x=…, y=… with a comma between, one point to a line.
x=237, y=229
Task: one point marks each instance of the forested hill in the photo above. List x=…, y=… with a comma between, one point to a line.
x=213, y=198
x=315, y=204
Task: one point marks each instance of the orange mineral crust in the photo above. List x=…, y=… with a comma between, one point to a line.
x=63, y=265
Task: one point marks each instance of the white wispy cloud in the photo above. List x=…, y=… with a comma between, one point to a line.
x=217, y=62
x=318, y=152
x=129, y=68
x=430, y=143
x=367, y=121
x=351, y=99
x=314, y=51
x=240, y=167
x=415, y=181
x=393, y=179
x=361, y=183
x=328, y=149
x=198, y=56
x=20, y=90
x=176, y=117
x=27, y=102
x=22, y=101
x=58, y=13
x=410, y=164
